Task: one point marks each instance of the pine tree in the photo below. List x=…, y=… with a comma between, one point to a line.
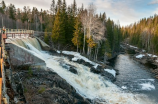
x=77, y=33
x=110, y=37
x=12, y=11
x=58, y=33
x=70, y=25
x=25, y=15
x=59, y=5
x=3, y=7
x=74, y=8
x=46, y=37
x=52, y=7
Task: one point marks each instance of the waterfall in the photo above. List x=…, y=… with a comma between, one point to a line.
x=86, y=83
x=24, y=42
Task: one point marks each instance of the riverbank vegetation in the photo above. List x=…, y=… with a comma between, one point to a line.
x=82, y=28
x=143, y=34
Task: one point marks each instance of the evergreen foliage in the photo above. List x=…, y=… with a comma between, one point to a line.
x=77, y=36
x=58, y=33
x=93, y=34
x=143, y=34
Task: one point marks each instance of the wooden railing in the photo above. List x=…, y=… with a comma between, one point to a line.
x=1, y=62
x=17, y=32
x=3, y=90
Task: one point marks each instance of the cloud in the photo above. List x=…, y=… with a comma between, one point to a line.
x=118, y=10
x=44, y=4
x=126, y=11
x=154, y=2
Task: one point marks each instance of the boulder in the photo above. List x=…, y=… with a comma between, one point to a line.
x=108, y=76
x=81, y=61
x=97, y=71
x=73, y=70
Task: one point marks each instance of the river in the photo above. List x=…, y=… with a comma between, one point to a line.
x=135, y=77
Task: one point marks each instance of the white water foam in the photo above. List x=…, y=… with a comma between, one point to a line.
x=147, y=86
x=88, y=84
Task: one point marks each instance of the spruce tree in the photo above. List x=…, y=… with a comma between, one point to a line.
x=25, y=15
x=110, y=37
x=70, y=25
x=58, y=33
x=52, y=7
x=74, y=8
x=77, y=36
x=59, y=5
x=12, y=11
x=3, y=7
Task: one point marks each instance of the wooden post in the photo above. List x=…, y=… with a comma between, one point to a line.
x=1, y=62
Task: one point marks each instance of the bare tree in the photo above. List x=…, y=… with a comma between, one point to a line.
x=98, y=36
x=91, y=23
x=93, y=28
x=84, y=19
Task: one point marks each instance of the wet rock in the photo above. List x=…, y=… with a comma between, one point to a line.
x=82, y=102
x=76, y=95
x=108, y=76
x=97, y=70
x=68, y=56
x=73, y=70
x=52, y=51
x=69, y=67
x=99, y=67
x=80, y=61
x=117, y=71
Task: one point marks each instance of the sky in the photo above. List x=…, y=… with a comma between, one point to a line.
x=124, y=11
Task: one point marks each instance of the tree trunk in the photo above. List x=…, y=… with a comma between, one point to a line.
x=97, y=54
x=77, y=47
x=84, y=40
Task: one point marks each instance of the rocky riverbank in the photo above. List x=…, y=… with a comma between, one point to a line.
x=32, y=85
x=97, y=68
x=39, y=86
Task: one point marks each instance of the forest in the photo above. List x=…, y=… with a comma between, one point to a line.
x=75, y=28
x=143, y=34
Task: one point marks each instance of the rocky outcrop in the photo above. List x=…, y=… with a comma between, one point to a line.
x=46, y=87
x=98, y=70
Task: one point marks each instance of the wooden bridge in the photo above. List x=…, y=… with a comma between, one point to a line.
x=12, y=33
x=4, y=34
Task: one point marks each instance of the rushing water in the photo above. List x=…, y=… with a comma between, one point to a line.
x=135, y=77
x=86, y=83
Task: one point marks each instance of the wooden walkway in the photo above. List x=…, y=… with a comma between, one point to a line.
x=8, y=33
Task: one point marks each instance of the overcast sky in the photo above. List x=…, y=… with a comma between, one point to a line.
x=126, y=11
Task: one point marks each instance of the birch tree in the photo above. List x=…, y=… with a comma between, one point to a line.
x=90, y=23
x=84, y=20
x=98, y=36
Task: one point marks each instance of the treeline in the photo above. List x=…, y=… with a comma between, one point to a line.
x=72, y=27
x=26, y=18
x=143, y=34
x=92, y=34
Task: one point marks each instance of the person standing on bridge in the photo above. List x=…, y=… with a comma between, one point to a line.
x=3, y=30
